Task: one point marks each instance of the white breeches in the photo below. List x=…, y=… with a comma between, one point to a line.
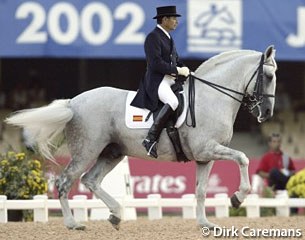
x=166, y=94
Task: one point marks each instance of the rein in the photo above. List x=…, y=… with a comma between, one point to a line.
x=248, y=101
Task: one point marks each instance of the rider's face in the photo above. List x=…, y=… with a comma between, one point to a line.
x=169, y=23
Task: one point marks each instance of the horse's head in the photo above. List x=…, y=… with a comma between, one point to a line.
x=261, y=91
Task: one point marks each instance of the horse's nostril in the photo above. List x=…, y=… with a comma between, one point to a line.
x=268, y=111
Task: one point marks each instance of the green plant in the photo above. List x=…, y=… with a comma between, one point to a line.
x=233, y=212
x=267, y=192
x=21, y=177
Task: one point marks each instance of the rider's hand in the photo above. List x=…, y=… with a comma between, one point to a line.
x=184, y=71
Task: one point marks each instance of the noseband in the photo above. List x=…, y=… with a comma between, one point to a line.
x=249, y=101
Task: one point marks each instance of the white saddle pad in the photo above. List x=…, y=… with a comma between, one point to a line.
x=135, y=117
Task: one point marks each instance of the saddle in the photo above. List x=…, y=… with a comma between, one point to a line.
x=171, y=130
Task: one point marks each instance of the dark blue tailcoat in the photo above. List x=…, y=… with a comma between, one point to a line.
x=162, y=59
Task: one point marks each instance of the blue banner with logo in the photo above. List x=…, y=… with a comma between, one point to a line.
x=117, y=28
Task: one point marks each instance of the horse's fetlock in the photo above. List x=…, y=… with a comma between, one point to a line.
x=246, y=189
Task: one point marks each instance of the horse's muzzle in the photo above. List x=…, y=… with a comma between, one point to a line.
x=264, y=115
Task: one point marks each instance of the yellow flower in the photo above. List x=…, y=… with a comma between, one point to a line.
x=37, y=179
x=14, y=169
x=35, y=173
x=45, y=187
x=4, y=162
x=10, y=154
x=21, y=179
x=20, y=156
x=37, y=164
x=29, y=182
x=26, y=196
x=296, y=185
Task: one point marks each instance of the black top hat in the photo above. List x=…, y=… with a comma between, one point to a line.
x=166, y=11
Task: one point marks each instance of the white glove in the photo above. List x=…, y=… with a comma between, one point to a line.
x=184, y=71
x=285, y=172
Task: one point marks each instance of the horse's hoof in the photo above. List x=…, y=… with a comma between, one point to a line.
x=211, y=228
x=77, y=227
x=208, y=225
x=235, y=202
x=115, y=221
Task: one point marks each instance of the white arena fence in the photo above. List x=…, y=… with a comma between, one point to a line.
x=154, y=203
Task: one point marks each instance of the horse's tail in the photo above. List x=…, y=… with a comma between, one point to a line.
x=42, y=125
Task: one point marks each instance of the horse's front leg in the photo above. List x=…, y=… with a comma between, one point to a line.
x=220, y=152
x=202, y=174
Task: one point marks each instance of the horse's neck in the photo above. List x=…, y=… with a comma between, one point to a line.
x=228, y=79
x=230, y=74
x=213, y=106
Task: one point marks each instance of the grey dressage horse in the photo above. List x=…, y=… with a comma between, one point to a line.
x=98, y=139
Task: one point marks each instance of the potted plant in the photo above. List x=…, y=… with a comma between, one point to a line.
x=21, y=177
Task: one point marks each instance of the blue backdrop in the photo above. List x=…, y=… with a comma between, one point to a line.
x=117, y=28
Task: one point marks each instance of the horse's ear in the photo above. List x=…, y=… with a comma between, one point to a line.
x=270, y=52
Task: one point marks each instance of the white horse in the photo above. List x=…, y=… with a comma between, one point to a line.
x=94, y=127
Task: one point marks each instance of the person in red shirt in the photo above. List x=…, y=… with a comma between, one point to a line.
x=276, y=166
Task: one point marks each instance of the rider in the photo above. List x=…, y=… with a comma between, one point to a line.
x=163, y=66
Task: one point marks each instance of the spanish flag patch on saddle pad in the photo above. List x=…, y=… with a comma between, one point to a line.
x=135, y=117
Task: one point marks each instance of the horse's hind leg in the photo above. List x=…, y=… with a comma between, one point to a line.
x=64, y=183
x=82, y=157
x=108, y=159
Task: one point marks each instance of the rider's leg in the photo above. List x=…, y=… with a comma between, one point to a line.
x=165, y=93
x=154, y=132
x=170, y=101
x=175, y=139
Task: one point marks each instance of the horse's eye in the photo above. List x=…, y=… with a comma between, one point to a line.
x=269, y=76
x=269, y=71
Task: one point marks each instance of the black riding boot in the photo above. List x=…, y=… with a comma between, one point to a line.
x=150, y=142
x=175, y=139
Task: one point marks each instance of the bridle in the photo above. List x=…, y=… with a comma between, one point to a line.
x=249, y=101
